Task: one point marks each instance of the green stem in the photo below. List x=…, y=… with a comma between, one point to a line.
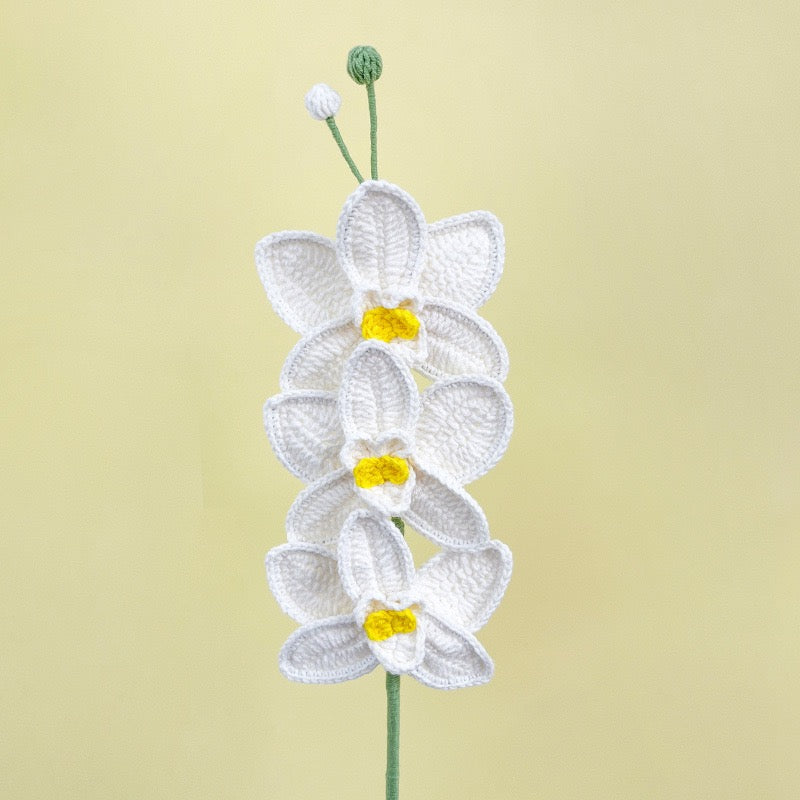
x=393, y=719
x=373, y=129
x=392, y=736
x=343, y=148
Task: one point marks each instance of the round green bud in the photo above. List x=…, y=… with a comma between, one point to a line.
x=364, y=64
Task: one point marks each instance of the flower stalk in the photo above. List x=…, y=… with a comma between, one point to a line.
x=393, y=718
x=327, y=592
x=323, y=103
x=364, y=66
x=373, y=130
x=337, y=136
x=392, y=736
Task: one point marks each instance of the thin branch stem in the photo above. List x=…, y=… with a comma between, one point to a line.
x=343, y=148
x=373, y=130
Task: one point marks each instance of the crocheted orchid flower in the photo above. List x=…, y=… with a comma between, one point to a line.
x=380, y=444
x=374, y=609
x=390, y=277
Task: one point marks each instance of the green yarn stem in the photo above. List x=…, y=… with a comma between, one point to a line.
x=393, y=719
x=401, y=526
x=392, y=736
x=343, y=148
x=373, y=130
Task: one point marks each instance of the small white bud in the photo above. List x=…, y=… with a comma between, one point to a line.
x=322, y=101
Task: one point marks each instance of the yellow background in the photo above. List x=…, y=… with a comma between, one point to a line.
x=644, y=160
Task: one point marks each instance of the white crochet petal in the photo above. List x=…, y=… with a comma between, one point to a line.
x=305, y=581
x=402, y=652
x=316, y=361
x=464, y=259
x=461, y=343
x=378, y=393
x=453, y=659
x=327, y=651
x=465, y=586
x=374, y=560
x=464, y=426
x=305, y=432
x=381, y=238
x=445, y=513
x=318, y=513
x=389, y=499
x=303, y=279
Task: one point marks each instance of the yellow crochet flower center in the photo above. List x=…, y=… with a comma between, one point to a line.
x=382, y=625
x=389, y=323
x=370, y=472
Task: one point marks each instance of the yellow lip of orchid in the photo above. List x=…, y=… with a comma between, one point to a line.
x=387, y=324
x=375, y=471
x=383, y=624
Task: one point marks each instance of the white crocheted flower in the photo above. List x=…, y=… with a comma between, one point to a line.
x=392, y=277
x=380, y=443
x=374, y=609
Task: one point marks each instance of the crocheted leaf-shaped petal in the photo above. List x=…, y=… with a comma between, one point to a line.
x=464, y=259
x=374, y=560
x=381, y=238
x=305, y=432
x=316, y=361
x=378, y=393
x=465, y=586
x=305, y=581
x=464, y=426
x=390, y=499
x=318, y=513
x=402, y=652
x=461, y=343
x=453, y=659
x=327, y=651
x=303, y=279
x=445, y=513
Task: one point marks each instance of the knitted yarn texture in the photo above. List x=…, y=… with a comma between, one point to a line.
x=322, y=102
x=364, y=64
x=381, y=460
x=390, y=295
x=387, y=269
x=451, y=434
x=382, y=611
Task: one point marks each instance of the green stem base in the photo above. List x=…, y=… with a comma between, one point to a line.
x=392, y=736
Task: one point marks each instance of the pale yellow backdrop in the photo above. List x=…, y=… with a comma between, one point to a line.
x=644, y=160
